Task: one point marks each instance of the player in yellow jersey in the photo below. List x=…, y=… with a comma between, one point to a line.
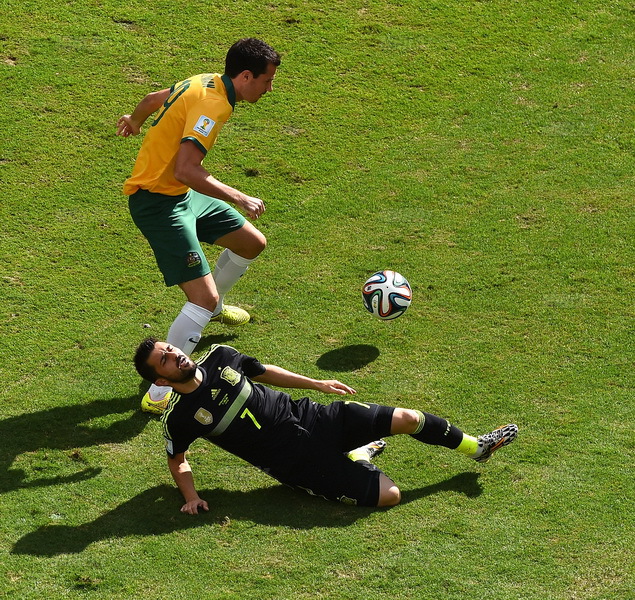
x=177, y=204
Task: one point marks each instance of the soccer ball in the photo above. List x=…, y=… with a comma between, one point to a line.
x=386, y=295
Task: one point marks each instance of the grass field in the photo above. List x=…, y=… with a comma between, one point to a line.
x=484, y=149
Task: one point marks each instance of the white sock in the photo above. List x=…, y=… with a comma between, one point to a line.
x=185, y=333
x=229, y=269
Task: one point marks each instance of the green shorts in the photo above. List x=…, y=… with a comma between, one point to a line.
x=175, y=226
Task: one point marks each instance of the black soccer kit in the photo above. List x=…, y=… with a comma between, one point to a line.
x=300, y=443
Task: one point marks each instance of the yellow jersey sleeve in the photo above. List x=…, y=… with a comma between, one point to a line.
x=195, y=110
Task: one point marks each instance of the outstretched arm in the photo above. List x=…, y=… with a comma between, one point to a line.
x=182, y=474
x=129, y=125
x=190, y=172
x=280, y=377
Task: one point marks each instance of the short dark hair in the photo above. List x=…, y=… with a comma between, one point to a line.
x=141, y=359
x=250, y=54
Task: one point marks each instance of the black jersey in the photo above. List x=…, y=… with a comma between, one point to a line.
x=263, y=426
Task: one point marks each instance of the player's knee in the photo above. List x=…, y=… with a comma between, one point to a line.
x=246, y=242
x=251, y=245
x=404, y=420
x=259, y=243
x=390, y=497
x=389, y=493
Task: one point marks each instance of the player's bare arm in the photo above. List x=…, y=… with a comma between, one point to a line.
x=280, y=377
x=190, y=172
x=182, y=475
x=131, y=124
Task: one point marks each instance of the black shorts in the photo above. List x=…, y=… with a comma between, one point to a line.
x=325, y=470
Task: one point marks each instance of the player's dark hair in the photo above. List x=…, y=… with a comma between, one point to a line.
x=141, y=359
x=250, y=54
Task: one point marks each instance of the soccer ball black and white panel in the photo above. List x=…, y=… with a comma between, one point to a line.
x=386, y=295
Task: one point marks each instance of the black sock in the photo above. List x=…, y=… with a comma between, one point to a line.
x=436, y=431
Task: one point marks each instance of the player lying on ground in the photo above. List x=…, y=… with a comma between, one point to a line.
x=323, y=449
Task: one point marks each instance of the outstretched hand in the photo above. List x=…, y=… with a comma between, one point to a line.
x=333, y=386
x=127, y=127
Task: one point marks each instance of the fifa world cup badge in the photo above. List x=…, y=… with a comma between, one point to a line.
x=204, y=125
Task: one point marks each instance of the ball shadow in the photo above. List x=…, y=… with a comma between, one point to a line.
x=348, y=358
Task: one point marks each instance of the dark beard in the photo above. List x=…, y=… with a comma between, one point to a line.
x=187, y=374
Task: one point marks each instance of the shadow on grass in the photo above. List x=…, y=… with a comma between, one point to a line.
x=156, y=512
x=209, y=340
x=64, y=428
x=348, y=358
x=463, y=483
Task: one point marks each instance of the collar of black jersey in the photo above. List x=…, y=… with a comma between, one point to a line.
x=231, y=92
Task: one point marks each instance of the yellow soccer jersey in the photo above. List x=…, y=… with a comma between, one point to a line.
x=196, y=110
